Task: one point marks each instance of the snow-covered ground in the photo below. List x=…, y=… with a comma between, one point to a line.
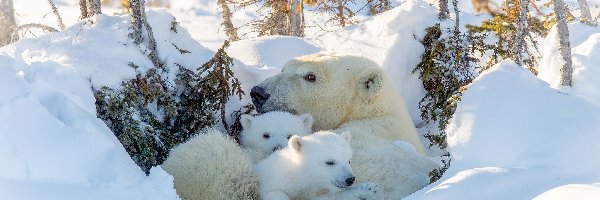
x=514, y=135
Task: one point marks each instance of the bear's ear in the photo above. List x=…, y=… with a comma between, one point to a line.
x=307, y=120
x=347, y=136
x=295, y=142
x=246, y=120
x=371, y=80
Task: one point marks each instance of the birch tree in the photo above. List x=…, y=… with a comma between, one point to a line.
x=230, y=30
x=586, y=15
x=519, y=47
x=88, y=8
x=7, y=22
x=443, y=12
x=295, y=18
x=138, y=23
x=566, y=70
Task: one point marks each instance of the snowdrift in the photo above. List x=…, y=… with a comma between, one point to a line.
x=52, y=146
x=514, y=137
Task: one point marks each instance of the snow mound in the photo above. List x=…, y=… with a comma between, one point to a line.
x=52, y=145
x=585, y=50
x=512, y=131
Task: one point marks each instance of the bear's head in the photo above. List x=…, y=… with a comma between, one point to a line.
x=325, y=156
x=270, y=131
x=332, y=88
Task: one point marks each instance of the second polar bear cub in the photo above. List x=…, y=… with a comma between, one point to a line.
x=266, y=133
x=315, y=166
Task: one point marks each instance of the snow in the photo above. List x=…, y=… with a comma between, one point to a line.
x=512, y=131
x=514, y=135
x=585, y=49
x=52, y=144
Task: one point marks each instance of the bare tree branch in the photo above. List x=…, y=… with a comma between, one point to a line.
x=55, y=11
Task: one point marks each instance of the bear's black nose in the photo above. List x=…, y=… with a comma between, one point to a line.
x=259, y=96
x=350, y=181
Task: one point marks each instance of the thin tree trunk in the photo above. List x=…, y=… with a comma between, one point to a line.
x=230, y=30
x=519, y=43
x=340, y=13
x=93, y=7
x=586, y=15
x=138, y=22
x=83, y=9
x=7, y=22
x=296, y=18
x=58, y=18
x=566, y=70
x=443, y=12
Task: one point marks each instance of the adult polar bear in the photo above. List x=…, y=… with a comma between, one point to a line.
x=350, y=93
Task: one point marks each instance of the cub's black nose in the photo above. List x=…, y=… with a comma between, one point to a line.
x=259, y=96
x=350, y=181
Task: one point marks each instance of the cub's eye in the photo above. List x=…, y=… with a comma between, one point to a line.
x=310, y=77
x=289, y=136
x=330, y=162
x=266, y=135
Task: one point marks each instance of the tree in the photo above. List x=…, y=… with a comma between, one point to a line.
x=443, y=13
x=284, y=17
x=566, y=70
x=138, y=22
x=520, y=49
x=7, y=22
x=230, y=30
x=379, y=6
x=341, y=13
x=586, y=16
x=295, y=18
x=88, y=8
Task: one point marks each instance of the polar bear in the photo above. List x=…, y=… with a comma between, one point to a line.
x=316, y=166
x=351, y=93
x=212, y=166
x=266, y=133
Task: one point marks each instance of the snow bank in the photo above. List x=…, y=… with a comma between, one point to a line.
x=52, y=146
x=514, y=137
x=585, y=44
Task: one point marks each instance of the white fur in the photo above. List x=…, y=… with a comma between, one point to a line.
x=312, y=167
x=352, y=94
x=213, y=166
x=277, y=126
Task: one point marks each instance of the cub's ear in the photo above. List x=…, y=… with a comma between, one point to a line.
x=295, y=143
x=371, y=81
x=308, y=120
x=246, y=120
x=347, y=136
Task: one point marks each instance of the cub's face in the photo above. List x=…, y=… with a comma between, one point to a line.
x=328, y=89
x=327, y=156
x=270, y=131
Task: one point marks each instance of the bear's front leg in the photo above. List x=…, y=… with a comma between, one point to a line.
x=363, y=191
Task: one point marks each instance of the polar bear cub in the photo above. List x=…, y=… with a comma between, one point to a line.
x=266, y=133
x=212, y=166
x=316, y=166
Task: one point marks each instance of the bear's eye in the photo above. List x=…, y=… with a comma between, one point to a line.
x=310, y=77
x=266, y=135
x=330, y=162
